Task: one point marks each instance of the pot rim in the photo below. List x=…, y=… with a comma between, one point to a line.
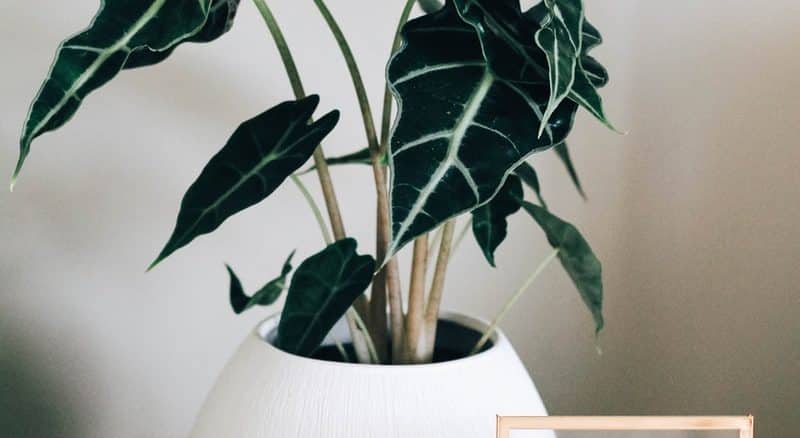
x=498, y=339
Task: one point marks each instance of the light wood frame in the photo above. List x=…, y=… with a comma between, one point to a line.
x=743, y=424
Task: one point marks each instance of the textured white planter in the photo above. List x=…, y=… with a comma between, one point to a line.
x=265, y=392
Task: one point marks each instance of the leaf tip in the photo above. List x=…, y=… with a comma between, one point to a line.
x=153, y=265
x=15, y=175
x=490, y=259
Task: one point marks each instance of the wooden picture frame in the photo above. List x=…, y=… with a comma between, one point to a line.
x=743, y=424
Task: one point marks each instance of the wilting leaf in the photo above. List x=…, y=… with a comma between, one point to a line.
x=219, y=21
x=489, y=224
x=563, y=155
x=258, y=157
x=264, y=296
x=323, y=288
x=576, y=257
x=528, y=175
x=93, y=57
x=463, y=125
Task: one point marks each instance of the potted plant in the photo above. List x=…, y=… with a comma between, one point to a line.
x=480, y=86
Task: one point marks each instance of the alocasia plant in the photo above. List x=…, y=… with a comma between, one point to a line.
x=481, y=86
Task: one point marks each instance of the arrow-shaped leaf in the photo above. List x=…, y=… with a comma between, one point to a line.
x=463, y=125
x=93, y=57
x=563, y=154
x=323, y=288
x=265, y=296
x=576, y=257
x=219, y=21
x=506, y=32
x=258, y=157
x=501, y=34
x=489, y=221
x=561, y=37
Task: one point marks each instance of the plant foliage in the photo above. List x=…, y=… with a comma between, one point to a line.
x=265, y=296
x=481, y=86
x=323, y=288
x=258, y=157
x=123, y=34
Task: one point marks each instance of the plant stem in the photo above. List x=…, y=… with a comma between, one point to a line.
x=321, y=164
x=386, y=117
x=416, y=301
x=341, y=349
x=387, y=280
x=297, y=87
x=373, y=353
x=389, y=277
x=355, y=74
x=436, y=239
x=325, y=236
x=314, y=208
x=437, y=288
x=510, y=303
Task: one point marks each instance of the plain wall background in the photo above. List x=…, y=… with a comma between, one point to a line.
x=694, y=215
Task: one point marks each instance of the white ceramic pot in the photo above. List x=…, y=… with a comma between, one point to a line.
x=264, y=392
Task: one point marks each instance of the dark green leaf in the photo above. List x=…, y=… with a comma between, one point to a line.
x=93, y=57
x=463, y=125
x=258, y=157
x=220, y=21
x=264, y=296
x=497, y=17
x=323, y=288
x=429, y=6
x=527, y=174
x=563, y=155
x=362, y=156
x=489, y=223
x=576, y=257
x=560, y=37
x=584, y=92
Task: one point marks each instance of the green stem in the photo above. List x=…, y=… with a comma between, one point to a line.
x=510, y=303
x=373, y=353
x=314, y=208
x=326, y=183
x=321, y=165
x=342, y=351
x=355, y=74
x=283, y=48
x=386, y=116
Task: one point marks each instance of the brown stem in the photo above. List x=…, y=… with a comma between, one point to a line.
x=389, y=276
x=361, y=304
x=377, y=309
x=437, y=288
x=416, y=300
x=396, y=318
x=321, y=164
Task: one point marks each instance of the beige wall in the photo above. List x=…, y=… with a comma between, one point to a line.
x=693, y=213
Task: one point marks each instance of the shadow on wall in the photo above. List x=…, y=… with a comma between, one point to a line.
x=34, y=402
